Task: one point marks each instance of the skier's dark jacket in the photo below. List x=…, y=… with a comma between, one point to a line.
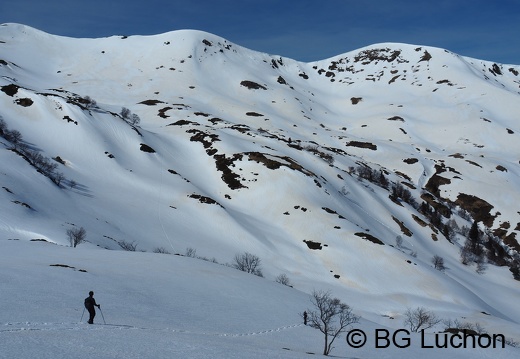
x=90, y=302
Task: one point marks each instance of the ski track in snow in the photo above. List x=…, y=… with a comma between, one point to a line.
x=12, y=327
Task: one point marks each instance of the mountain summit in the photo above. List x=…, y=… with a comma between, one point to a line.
x=352, y=172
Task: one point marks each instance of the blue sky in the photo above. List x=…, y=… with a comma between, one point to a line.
x=305, y=30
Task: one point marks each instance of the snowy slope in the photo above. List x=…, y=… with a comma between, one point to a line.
x=243, y=151
x=163, y=306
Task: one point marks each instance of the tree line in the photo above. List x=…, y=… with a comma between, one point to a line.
x=44, y=165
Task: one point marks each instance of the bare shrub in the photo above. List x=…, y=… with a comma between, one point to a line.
x=372, y=175
x=420, y=319
x=125, y=113
x=248, y=262
x=464, y=214
x=14, y=136
x=515, y=269
x=399, y=241
x=161, y=250
x=327, y=157
x=283, y=279
x=464, y=231
x=135, y=119
x=458, y=325
x=129, y=117
x=398, y=191
x=481, y=265
x=57, y=177
x=438, y=263
x=76, y=236
x=212, y=260
x=191, y=252
x=89, y=102
x=128, y=246
x=41, y=163
x=3, y=126
x=466, y=257
x=511, y=342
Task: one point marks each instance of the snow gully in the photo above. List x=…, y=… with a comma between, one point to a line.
x=462, y=341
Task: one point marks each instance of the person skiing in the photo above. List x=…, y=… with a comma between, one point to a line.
x=90, y=303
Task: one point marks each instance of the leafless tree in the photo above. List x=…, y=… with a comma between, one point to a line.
x=76, y=236
x=14, y=136
x=283, y=279
x=161, y=250
x=128, y=246
x=420, y=319
x=329, y=316
x=481, y=265
x=134, y=119
x=191, y=252
x=3, y=126
x=476, y=328
x=466, y=257
x=399, y=241
x=57, y=177
x=248, y=262
x=125, y=113
x=438, y=263
x=89, y=102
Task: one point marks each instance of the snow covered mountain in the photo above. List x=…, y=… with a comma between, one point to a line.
x=348, y=174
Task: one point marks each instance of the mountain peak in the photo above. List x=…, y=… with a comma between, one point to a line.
x=187, y=140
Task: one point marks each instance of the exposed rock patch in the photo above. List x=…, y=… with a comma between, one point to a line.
x=479, y=209
x=370, y=238
x=252, y=85
x=313, y=245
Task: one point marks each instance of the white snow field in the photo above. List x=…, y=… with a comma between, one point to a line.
x=235, y=151
x=167, y=306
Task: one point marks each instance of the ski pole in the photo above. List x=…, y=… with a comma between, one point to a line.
x=82, y=314
x=102, y=316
